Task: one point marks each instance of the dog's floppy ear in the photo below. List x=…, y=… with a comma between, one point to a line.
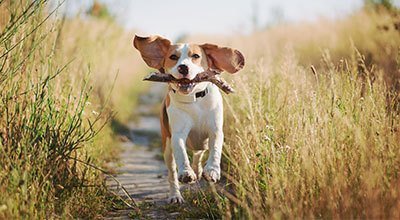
x=153, y=49
x=223, y=58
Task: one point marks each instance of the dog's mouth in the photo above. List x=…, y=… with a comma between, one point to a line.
x=185, y=86
x=207, y=76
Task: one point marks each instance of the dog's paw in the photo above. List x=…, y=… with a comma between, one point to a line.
x=187, y=176
x=211, y=174
x=176, y=199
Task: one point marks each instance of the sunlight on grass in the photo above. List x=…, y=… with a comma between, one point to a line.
x=312, y=131
x=321, y=143
x=56, y=96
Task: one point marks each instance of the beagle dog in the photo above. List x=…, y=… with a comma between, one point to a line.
x=192, y=113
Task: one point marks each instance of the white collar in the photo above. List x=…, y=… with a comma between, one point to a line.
x=188, y=98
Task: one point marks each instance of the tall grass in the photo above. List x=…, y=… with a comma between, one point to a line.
x=313, y=147
x=320, y=142
x=54, y=102
x=105, y=49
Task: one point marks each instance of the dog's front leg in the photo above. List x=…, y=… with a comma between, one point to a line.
x=212, y=170
x=185, y=172
x=181, y=124
x=174, y=193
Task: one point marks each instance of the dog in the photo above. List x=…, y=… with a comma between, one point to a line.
x=192, y=113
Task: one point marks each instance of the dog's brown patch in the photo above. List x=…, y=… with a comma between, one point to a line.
x=196, y=49
x=224, y=58
x=152, y=49
x=165, y=129
x=173, y=50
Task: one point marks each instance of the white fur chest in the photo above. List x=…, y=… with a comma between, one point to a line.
x=200, y=118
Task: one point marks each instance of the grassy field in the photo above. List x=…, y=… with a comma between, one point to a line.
x=312, y=131
x=320, y=142
x=60, y=80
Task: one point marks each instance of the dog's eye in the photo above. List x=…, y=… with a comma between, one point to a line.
x=174, y=57
x=196, y=56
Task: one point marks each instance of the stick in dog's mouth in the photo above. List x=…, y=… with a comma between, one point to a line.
x=207, y=76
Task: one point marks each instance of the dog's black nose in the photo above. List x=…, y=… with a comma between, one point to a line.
x=183, y=69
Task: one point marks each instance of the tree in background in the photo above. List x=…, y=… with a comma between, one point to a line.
x=388, y=4
x=98, y=10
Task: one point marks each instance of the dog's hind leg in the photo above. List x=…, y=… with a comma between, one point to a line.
x=196, y=163
x=174, y=193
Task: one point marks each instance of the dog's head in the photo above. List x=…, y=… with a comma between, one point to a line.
x=187, y=60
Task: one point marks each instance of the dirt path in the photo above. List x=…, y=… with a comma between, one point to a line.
x=143, y=172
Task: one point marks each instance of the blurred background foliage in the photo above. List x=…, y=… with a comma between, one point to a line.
x=312, y=131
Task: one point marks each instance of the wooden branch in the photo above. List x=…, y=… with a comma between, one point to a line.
x=207, y=76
